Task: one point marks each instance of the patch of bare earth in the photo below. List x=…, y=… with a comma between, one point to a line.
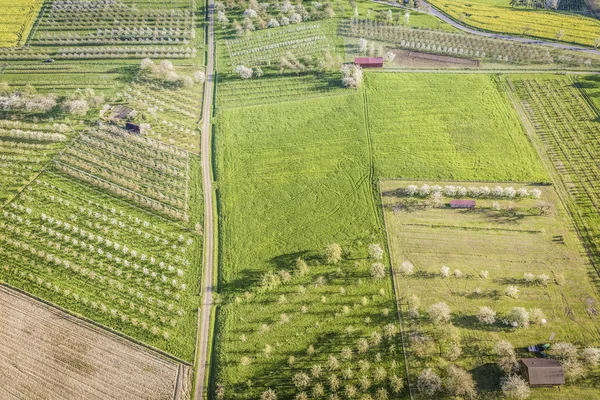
x=47, y=354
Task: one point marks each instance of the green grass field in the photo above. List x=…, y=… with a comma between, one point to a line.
x=287, y=189
x=459, y=127
x=508, y=244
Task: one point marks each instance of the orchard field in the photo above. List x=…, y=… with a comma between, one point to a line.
x=469, y=259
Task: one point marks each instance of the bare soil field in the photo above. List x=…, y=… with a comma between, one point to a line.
x=47, y=354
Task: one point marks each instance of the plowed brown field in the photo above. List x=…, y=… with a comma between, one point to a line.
x=46, y=354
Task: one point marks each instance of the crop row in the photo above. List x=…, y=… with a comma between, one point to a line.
x=447, y=42
x=101, y=265
x=568, y=130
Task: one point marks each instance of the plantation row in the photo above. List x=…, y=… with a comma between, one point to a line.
x=142, y=169
x=473, y=191
x=459, y=44
x=274, y=90
x=121, y=52
x=25, y=149
x=263, y=47
x=569, y=131
x=119, y=265
x=147, y=96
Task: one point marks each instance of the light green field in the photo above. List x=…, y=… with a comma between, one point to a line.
x=507, y=244
x=288, y=187
x=458, y=127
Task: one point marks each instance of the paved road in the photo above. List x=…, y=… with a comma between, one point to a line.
x=434, y=11
x=207, y=281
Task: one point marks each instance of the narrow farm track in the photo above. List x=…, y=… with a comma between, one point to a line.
x=207, y=287
x=434, y=11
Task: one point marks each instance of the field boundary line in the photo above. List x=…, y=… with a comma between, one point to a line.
x=463, y=181
x=91, y=324
x=396, y=295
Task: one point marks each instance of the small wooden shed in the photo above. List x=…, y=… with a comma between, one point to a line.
x=542, y=371
x=369, y=62
x=462, y=203
x=133, y=128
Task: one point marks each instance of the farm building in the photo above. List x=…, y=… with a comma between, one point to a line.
x=462, y=203
x=121, y=112
x=542, y=371
x=133, y=128
x=366, y=62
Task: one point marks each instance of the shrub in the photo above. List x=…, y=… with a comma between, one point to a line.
x=512, y=291
x=301, y=267
x=518, y=317
x=406, y=268
x=459, y=382
x=429, y=383
x=333, y=254
x=514, y=387
x=439, y=313
x=486, y=315
x=484, y=274
x=528, y=277
x=458, y=273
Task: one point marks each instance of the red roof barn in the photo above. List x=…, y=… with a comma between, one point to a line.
x=365, y=62
x=462, y=203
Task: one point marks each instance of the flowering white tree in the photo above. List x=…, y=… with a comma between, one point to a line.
x=439, y=313
x=518, y=317
x=424, y=190
x=514, y=387
x=536, y=193
x=352, y=75
x=445, y=272
x=244, y=72
x=199, y=76
x=512, y=291
x=375, y=251
x=411, y=190
x=378, y=271
x=429, y=383
x=295, y=18
x=486, y=315
x=389, y=56
x=406, y=268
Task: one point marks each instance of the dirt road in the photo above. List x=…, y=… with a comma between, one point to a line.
x=207, y=282
x=434, y=11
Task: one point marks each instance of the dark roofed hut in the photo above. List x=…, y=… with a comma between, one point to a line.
x=462, y=203
x=369, y=62
x=133, y=128
x=542, y=371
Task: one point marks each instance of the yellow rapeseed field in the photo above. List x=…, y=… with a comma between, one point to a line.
x=16, y=19
x=543, y=24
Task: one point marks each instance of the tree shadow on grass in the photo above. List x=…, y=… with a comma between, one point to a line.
x=471, y=322
x=288, y=261
x=487, y=377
